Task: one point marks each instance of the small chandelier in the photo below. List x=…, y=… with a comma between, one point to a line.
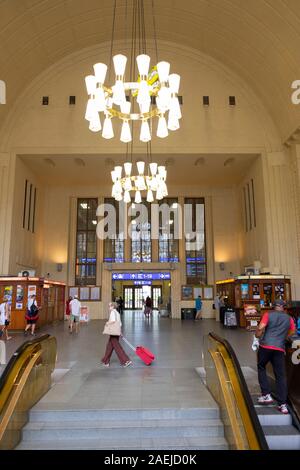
x=153, y=181
x=153, y=94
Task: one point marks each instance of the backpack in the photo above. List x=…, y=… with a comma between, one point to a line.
x=33, y=310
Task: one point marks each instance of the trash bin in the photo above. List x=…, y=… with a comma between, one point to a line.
x=188, y=313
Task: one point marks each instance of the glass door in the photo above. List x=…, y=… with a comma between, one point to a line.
x=156, y=294
x=128, y=297
x=133, y=298
x=138, y=298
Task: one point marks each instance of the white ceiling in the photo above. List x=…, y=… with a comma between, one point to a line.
x=258, y=39
x=215, y=169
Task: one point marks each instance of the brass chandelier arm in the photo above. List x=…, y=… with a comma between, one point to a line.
x=134, y=116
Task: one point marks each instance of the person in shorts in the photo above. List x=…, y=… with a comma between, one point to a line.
x=7, y=321
x=75, y=307
x=32, y=315
x=3, y=309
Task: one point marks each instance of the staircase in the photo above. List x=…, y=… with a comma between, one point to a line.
x=163, y=429
x=278, y=428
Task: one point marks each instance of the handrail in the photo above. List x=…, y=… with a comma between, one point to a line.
x=251, y=424
x=14, y=358
x=26, y=378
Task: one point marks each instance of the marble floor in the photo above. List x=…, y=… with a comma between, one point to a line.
x=172, y=381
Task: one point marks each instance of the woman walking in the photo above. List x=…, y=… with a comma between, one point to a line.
x=114, y=326
x=32, y=315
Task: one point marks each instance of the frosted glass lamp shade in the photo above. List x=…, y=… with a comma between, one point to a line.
x=95, y=124
x=143, y=63
x=153, y=168
x=100, y=99
x=107, y=132
x=162, y=130
x=173, y=122
x=120, y=64
x=140, y=167
x=90, y=82
x=150, y=197
x=174, y=82
x=163, y=69
x=145, y=135
x=125, y=107
x=127, y=168
x=119, y=197
x=113, y=176
x=140, y=183
x=127, y=184
x=125, y=132
x=175, y=108
x=91, y=112
x=127, y=197
x=100, y=72
x=118, y=171
x=138, y=197
x=143, y=97
x=164, y=97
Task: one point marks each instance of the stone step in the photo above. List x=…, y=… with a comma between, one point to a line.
x=282, y=437
x=117, y=430
x=179, y=443
x=119, y=415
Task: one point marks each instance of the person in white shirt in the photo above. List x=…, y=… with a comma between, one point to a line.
x=3, y=309
x=113, y=341
x=75, y=307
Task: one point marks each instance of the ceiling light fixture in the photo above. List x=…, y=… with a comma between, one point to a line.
x=110, y=102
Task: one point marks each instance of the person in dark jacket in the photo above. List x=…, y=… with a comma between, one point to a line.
x=273, y=329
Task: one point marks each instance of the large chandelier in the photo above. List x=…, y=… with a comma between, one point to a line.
x=149, y=93
x=153, y=181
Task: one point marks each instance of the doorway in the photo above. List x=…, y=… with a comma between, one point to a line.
x=134, y=295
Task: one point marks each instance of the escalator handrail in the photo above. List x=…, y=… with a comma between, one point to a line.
x=244, y=388
x=11, y=363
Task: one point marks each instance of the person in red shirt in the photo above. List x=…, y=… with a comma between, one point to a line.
x=273, y=329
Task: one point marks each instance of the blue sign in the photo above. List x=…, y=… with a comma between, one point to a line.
x=141, y=276
x=142, y=283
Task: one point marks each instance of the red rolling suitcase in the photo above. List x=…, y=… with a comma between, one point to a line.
x=143, y=353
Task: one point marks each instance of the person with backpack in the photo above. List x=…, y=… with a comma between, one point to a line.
x=32, y=315
x=3, y=314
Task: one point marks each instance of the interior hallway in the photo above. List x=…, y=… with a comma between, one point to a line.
x=172, y=381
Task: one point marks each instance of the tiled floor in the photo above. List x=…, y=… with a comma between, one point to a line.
x=170, y=382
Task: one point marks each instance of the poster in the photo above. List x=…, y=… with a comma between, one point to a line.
x=250, y=310
x=73, y=291
x=31, y=291
x=19, y=305
x=84, y=293
x=197, y=292
x=208, y=293
x=244, y=291
x=84, y=314
x=20, y=294
x=95, y=293
x=8, y=293
x=187, y=293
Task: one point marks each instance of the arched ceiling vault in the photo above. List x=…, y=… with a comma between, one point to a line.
x=258, y=39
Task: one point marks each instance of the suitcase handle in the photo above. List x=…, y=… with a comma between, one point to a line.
x=127, y=342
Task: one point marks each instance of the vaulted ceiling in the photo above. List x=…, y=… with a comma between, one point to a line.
x=258, y=39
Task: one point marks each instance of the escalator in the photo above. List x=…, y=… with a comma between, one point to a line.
x=247, y=424
x=25, y=379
